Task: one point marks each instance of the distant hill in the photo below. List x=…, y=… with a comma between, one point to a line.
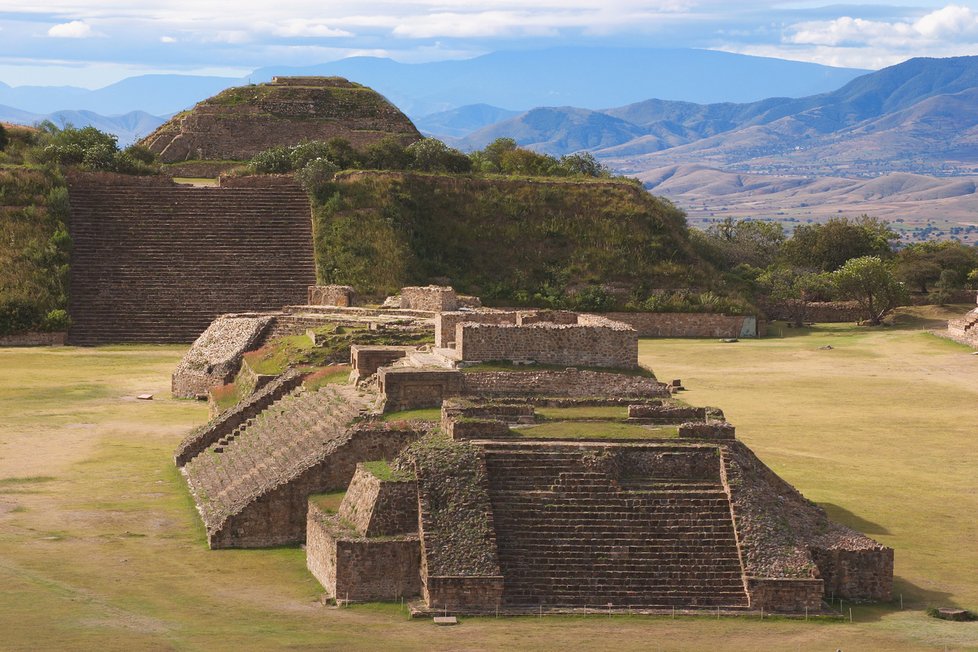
x=592, y=78
x=918, y=116
x=708, y=193
x=457, y=123
x=128, y=128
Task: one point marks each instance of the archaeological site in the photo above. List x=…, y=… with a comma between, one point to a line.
x=519, y=461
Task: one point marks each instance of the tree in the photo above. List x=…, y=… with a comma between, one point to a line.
x=583, y=164
x=872, y=284
x=388, y=153
x=432, y=155
x=4, y=138
x=746, y=242
x=923, y=263
x=828, y=246
x=794, y=288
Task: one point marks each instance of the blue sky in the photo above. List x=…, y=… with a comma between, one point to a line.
x=94, y=43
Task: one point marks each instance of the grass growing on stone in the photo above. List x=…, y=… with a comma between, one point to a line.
x=422, y=414
x=382, y=470
x=332, y=375
x=593, y=412
x=880, y=430
x=596, y=430
x=328, y=502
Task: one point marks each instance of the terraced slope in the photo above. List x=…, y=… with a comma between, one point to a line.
x=572, y=534
x=251, y=485
x=158, y=263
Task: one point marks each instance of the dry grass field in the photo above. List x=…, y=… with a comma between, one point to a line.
x=100, y=547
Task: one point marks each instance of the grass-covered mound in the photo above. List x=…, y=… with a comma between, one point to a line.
x=34, y=249
x=506, y=239
x=238, y=123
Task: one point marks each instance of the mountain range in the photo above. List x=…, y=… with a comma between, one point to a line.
x=587, y=77
x=918, y=116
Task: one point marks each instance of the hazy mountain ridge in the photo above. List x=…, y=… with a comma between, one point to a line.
x=128, y=128
x=918, y=116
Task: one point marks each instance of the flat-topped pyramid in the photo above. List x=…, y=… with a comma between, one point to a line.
x=239, y=122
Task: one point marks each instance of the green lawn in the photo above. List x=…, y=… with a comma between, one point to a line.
x=100, y=546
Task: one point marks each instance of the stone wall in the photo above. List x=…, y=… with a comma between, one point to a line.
x=330, y=295
x=787, y=595
x=461, y=428
x=434, y=298
x=592, y=342
x=228, y=421
x=964, y=329
x=358, y=569
x=445, y=323
x=666, y=413
x=862, y=574
x=812, y=311
x=157, y=263
x=214, y=357
x=33, y=339
x=460, y=594
x=377, y=508
x=707, y=430
x=689, y=324
x=565, y=383
x=278, y=516
x=366, y=360
x=410, y=388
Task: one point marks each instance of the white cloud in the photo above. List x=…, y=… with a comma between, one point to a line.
x=74, y=29
x=167, y=39
x=303, y=28
x=952, y=23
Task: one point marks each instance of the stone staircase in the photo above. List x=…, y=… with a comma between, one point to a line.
x=570, y=536
x=157, y=264
x=269, y=450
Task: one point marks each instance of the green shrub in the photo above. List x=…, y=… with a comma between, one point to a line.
x=56, y=321
x=316, y=176
x=275, y=160
x=18, y=315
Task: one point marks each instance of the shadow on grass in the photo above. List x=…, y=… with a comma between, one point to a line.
x=856, y=522
x=914, y=598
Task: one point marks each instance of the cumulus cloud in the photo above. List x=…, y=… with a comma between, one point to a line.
x=167, y=39
x=74, y=29
x=951, y=23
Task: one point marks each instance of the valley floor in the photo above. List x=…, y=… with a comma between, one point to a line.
x=100, y=547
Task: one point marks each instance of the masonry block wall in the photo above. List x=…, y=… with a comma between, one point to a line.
x=157, y=263
x=434, y=298
x=682, y=324
x=330, y=295
x=591, y=342
x=354, y=568
x=965, y=329
x=567, y=383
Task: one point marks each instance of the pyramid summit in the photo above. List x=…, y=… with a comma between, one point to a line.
x=240, y=122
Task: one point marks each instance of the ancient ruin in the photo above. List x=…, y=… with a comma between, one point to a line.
x=964, y=329
x=546, y=472
x=240, y=122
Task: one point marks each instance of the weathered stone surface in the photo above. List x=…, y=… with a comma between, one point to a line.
x=785, y=594
x=238, y=416
x=376, y=507
x=409, y=388
x=366, y=360
x=783, y=535
x=707, y=430
x=238, y=123
x=689, y=324
x=434, y=298
x=591, y=342
x=157, y=263
x=353, y=568
x=331, y=295
x=253, y=492
x=565, y=383
x=33, y=339
x=964, y=329
x=214, y=357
